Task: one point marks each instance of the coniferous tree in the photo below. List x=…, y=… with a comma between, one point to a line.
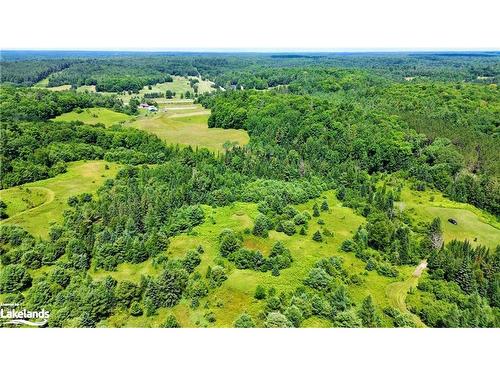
x=324, y=206
x=317, y=236
x=315, y=210
x=368, y=314
x=260, y=228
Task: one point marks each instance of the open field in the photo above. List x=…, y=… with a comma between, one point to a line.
x=473, y=224
x=179, y=85
x=43, y=83
x=22, y=199
x=49, y=197
x=186, y=124
x=86, y=88
x=94, y=116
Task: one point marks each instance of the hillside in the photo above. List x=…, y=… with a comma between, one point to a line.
x=263, y=191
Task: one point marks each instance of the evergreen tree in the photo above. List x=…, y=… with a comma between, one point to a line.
x=260, y=292
x=465, y=276
x=260, y=228
x=368, y=314
x=317, y=236
x=315, y=210
x=244, y=321
x=171, y=322
x=324, y=206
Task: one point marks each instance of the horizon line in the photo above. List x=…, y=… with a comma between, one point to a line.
x=253, y=50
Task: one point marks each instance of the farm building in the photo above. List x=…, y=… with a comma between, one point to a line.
x=150, y=108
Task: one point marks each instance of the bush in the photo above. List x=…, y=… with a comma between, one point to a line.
x=229, y=243
x=191, y=260
x=171, y=322
x=261, y=226
x=318, y=279
x=315, y=210
x=260, y=292
x=32, y=259
x=294, y=315
x=324, y=206
x=317, y=236
x=300, y=219
x=216, y=276
x=136, y=309
x=277, y=320
x=248, y=259
x=280, y=257
x=288, y=227
x=348, y=246
x=244, y=321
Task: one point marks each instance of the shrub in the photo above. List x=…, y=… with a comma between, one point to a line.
x=280, y=257
x=277, y=320
x=261, y=226
x=244, y=321
x=348, y=246
x=216, y=276
x=348, y=319
x=229, y=243
x=248, y=259
x=288, y=227
x=315, y=210
x=294, y=315
x=318, y=279
x=171, y=322
x=299, y=219
x=324, y=206
x=191, y=260
x=136, y=309
x=260, y=292
x=317, y=236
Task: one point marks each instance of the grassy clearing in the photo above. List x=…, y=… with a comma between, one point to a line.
x=179, y=85
x=59, y=88
x=94, y=116
x=472, y=223
x=236, y=295
x=81, y=177
x=86, y=88
x=188, y=127
x=24, y=198
x=42, y=83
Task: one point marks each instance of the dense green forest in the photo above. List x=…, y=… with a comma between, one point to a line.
x=361, y=127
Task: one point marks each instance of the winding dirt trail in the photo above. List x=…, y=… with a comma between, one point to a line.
x=50, y=197
x=397, y=292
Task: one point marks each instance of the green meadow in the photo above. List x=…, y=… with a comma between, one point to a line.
x=37, y=205
x=187, y=125
x=473, y=224
x=236, y=295
x=94, y=116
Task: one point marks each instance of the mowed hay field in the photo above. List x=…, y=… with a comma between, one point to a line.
x=179, y=85
x=236, y=295
x=473, y=224
x=186, y=124
x=37, y=205
x=94, y=116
